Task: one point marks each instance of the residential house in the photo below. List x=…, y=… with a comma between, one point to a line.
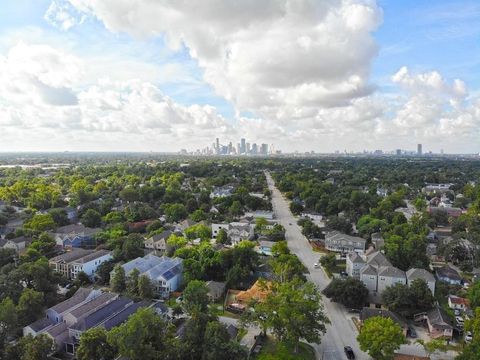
x=437, y=188
x=216, y=290
x=438, y=323
x=268, y=215
x=449, y=275
x=158, y=242
x=18, y=244
x=87, y=308
x=458, y=303
x=368, y=313
x=77, y=260
x=422, y=274
x=354, y=264
x=220, y=192
x=339, y=242
x=165, y=273
x=450, y=211
x=378, y=241
x=90, y=263
x=236, y=231
x=74, y=236
x=377, y=273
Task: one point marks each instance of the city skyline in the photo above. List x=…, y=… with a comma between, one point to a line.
x=78, y=75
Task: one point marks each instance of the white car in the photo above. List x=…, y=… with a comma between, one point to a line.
x=316, y=265
x=468, y=336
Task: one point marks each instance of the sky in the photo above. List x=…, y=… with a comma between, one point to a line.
x=306, y=75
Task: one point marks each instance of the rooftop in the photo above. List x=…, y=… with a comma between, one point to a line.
x=80, y=295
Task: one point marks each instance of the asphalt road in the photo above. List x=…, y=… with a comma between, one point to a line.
x=341, y=332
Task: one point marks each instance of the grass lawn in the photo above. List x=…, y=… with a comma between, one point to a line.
x=273, y=350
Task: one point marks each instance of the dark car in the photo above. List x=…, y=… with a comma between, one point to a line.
x=349, y=352
x=411, y=332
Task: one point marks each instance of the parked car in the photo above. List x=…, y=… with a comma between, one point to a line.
x=356, y=311
x=316, y=265
x=411, y=332
x=457, y=312
x=468, y=336
x=343, y=274
x=349, y=352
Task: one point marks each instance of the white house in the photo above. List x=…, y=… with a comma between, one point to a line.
x=164, y=272
x=457, y=302
x=236, y=231
x=90, y=263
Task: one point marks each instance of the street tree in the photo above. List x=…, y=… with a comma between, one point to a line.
x=380, y=337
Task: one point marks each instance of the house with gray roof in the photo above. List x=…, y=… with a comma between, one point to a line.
x=71, y=263
x=216, y=290
x=74, y=236
x=354, y=264
x=158, y=242
x=87, y=308
x=422, y=274
x=18, y=244
x=339, y=242
x=165, y=273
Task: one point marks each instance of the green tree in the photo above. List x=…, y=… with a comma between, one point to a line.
x=83, y=279
x=145, y=336
x=280, y=248
x=296, y=208
x=30, y=306
x=118, y=281
x=350, y=292
x=59, y=216
x=132, y=282
x=8, y=320
x=236, y=208
x=91, y=218
x=103, y=272
x=433, y=345
x=94, y=345
x=195, y=298
x=474, y=295
x=44, y=245
x=198, y=215
x=218, y=346
x=295, y=312
x=175, y=212
x=36, y=348
x=329, y=262
x=380, y=337
x=222, y=237
x=145, y=288
x=40, y=222
x=132, y=247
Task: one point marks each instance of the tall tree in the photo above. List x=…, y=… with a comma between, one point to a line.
x=94, y=345
x=218, y=346
x=36, y=348
x=118, y=281
x=380, y=337
x=30, y=306
x=195, y=298
x=145, y=336
x=145, y=288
